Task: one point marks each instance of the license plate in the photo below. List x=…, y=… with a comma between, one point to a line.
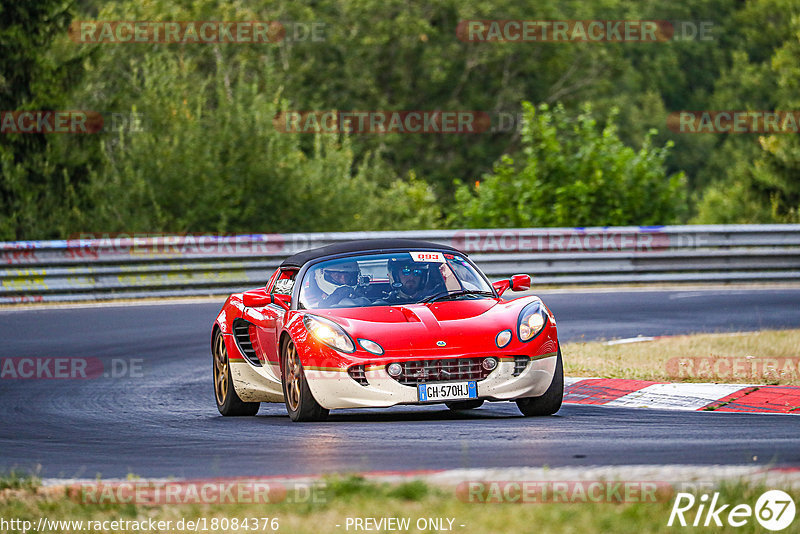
x=447, y=391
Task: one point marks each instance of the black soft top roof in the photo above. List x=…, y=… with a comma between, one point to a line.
x=363, y=245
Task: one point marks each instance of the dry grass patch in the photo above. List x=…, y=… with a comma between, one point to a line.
x=765, y=357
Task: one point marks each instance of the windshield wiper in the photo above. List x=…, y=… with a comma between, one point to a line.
x=462, y=293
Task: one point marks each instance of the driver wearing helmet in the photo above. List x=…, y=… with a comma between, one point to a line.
x=338, y=282
x=409, y=280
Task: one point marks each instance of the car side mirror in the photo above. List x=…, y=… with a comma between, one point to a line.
x=284, y=301
x=256, y=298
x=520, y=282
x=501, y=286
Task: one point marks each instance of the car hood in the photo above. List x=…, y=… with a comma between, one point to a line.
x=463, y=326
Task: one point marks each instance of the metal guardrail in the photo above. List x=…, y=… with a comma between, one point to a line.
x=94, y=267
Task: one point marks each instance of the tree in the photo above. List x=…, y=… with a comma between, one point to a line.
x=209, y=158
x=572, y=172
x=760, y=180
x=40, y=175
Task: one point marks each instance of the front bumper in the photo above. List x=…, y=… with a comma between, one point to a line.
x=335, y=389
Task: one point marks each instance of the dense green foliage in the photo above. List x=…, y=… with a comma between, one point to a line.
x=39, y=175
x=572, y=173
x=760, y=177
x=208, y=157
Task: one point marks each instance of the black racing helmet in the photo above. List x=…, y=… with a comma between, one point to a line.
x=408, y=266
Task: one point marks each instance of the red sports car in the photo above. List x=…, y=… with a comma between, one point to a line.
x=377, y=323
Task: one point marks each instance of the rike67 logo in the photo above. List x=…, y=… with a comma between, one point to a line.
x=774, y=510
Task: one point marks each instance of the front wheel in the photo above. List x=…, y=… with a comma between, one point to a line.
x=300, y=404
x=550, y=402
x=228, y=402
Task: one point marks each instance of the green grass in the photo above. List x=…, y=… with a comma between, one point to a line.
x=355, y=497
x=18, y=480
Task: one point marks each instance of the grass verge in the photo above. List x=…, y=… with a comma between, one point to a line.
x=353, y=497
x=765, y=357
x=18, y=480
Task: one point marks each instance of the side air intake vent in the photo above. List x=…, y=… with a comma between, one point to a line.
x=520, y=364
x=241, y=331
x=358, y=373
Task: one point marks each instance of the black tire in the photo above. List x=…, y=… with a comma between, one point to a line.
x=300, y=403
x=228, y=402
x=465, y=405
x=550, y=402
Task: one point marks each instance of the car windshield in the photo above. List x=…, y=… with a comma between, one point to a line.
x=388, y=279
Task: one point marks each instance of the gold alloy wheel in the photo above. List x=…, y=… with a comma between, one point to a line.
x=293, y=373
x=220, y=370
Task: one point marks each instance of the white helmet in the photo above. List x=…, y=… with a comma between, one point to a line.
x=331, y=277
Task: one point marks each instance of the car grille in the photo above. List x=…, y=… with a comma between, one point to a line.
x=426, y=371
x=241, y=332
x=520, y=364
x=357, y=373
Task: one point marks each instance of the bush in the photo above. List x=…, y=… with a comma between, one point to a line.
x=571, y=172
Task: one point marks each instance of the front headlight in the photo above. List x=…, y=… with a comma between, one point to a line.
x=531, y=321
x=329, y=333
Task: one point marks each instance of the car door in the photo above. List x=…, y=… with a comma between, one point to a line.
x=269, y=328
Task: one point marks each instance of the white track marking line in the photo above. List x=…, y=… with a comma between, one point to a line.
x=677, y=396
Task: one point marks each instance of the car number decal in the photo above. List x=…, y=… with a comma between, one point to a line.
x=435, y=257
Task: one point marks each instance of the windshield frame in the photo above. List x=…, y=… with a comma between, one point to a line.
x=303, y=271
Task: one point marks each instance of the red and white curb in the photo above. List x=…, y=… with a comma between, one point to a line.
x=682, y=396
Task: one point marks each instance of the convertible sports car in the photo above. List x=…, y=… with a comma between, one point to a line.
x=377, y=323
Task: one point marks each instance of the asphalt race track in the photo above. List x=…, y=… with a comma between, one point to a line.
x=162, y=421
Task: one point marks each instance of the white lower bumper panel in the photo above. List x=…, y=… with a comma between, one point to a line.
x=336, y=389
